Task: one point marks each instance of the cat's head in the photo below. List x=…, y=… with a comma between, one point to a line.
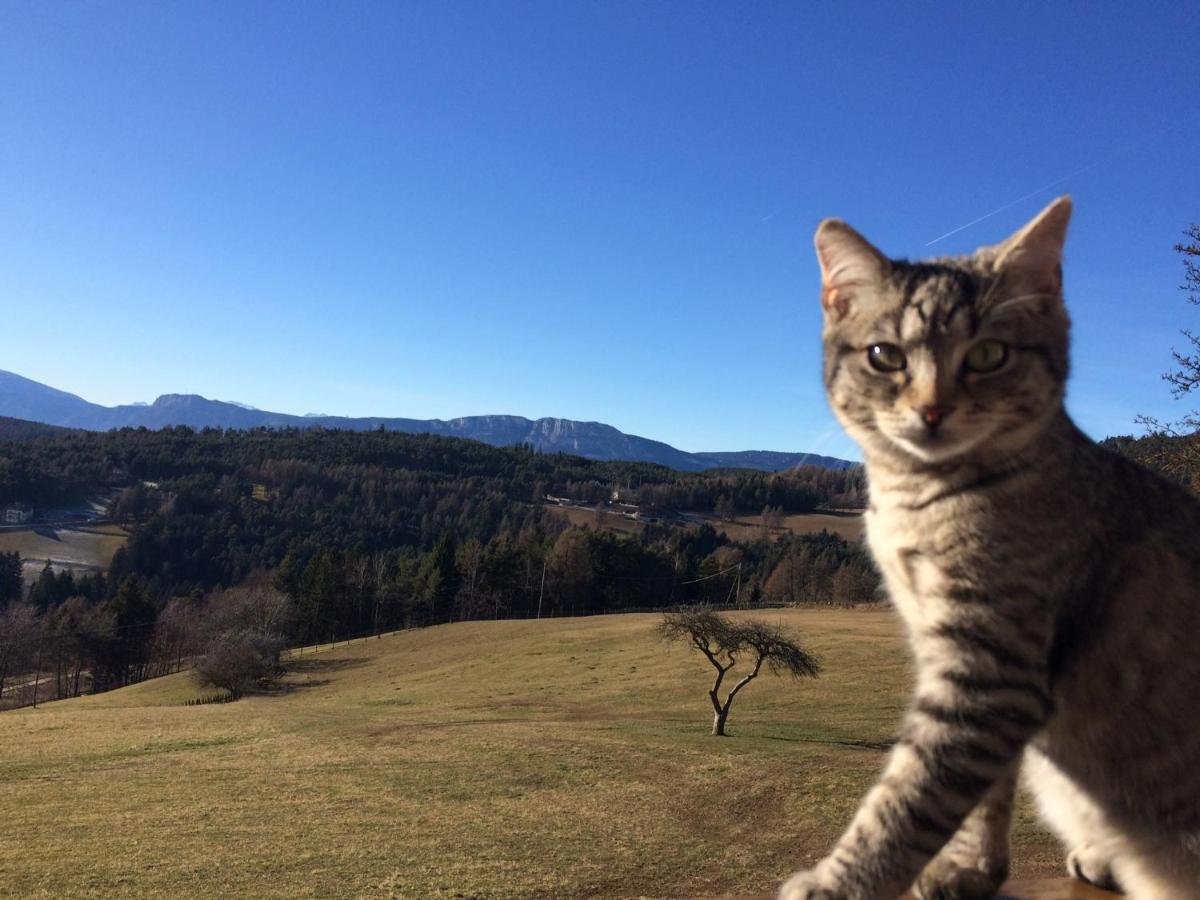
x=946, y=359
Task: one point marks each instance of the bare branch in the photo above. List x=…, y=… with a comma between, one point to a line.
x=746, y=679
x=1177, y=450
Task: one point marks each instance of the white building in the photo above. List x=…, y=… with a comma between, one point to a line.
x=17, y=514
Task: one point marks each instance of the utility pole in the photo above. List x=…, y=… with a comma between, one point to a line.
x=37, y=669
x=542, y=588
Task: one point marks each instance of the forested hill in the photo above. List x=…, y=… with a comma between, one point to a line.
x=26, y=399
x=210, y=507
x=369, y=530
x=23, y=430
x=51, y=464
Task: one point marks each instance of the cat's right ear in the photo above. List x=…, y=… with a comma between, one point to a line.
x=850, y=266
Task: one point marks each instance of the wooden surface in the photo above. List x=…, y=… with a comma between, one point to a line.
x=1055, y=889
x=1049, y=889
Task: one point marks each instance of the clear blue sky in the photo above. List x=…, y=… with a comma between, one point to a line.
x=592, y=210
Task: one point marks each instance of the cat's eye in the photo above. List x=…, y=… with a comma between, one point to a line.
x=886, y=357
x=986, y=356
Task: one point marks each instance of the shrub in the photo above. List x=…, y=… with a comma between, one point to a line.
x=245, y=633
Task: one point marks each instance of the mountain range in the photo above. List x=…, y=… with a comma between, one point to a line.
x=22, y=398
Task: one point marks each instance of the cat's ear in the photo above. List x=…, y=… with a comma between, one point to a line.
x=1034, y=254
x=850, y=266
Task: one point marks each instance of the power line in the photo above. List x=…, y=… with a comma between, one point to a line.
x=737, y=566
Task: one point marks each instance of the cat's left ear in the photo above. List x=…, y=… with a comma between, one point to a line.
x=851, y=268
x=1034, y=254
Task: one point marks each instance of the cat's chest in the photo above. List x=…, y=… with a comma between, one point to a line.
x=914, y=553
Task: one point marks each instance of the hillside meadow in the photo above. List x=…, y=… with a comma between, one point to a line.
x=556, y=758
x=745, y=527
x=82, y=547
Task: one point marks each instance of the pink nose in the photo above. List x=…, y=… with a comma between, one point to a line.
x=933, y=415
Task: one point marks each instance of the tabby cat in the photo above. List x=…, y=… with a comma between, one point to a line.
x=1050, y=588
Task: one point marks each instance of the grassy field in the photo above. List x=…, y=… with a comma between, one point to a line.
x=743, y=528
x=610, y=521
x=82, y=547
x=556, y=759
x=749, y=528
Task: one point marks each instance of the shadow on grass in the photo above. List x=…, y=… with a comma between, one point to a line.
x=857, y=745
x=307, y=666
x=293, y=687
x=307, y=669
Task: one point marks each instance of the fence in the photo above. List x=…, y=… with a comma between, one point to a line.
x=227, y=697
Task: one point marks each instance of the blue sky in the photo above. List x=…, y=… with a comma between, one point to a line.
x=592, y=210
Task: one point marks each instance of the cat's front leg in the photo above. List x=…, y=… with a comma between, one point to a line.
x=812, y=885
x=981, y=695
x=895, y=834
x=974, y=863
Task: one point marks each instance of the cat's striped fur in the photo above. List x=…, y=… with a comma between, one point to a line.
x=1051, y=589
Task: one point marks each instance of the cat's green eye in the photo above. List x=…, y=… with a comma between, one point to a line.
x=886, y=357
x=986, y=356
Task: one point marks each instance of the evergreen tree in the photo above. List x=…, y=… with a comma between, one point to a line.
x=439, y=579
x=12, y=584
x=322, y=587
x=42, y=592
x=133, y=615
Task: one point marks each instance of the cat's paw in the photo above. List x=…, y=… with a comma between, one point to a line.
x=807, y=886
x=945, y=879
x=1091, y=865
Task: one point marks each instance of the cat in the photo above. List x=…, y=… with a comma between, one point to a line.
x=1050, y=588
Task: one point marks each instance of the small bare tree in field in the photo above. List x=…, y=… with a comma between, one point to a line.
x=245, y=632
x=725, y=642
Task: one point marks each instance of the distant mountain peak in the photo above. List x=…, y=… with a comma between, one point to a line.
x=21, y=398
x=166, y=400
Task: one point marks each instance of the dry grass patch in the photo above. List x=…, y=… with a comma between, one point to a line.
x=743, y=528
x=84, y=546
x=561, y=758
x=749, y=528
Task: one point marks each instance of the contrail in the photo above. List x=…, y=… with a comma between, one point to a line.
x=1021, y=199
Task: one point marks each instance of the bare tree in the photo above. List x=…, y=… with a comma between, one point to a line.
x=64, y=627
x=1186, y=378
x=725, y=642
x=772, y=518
x=380, y=571
x=470, y=562
x=570, y=572
x=724, y=509
x=19, y=630
x=175, y=634
x=247, y=629
x=852, y=585
x=362, y=574
x=1180, y=454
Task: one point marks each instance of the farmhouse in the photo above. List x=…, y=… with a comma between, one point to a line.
x=17, y=514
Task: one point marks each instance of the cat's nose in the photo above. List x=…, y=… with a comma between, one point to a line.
x=933, y=415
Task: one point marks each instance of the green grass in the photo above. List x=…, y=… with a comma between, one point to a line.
x=562, y=758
